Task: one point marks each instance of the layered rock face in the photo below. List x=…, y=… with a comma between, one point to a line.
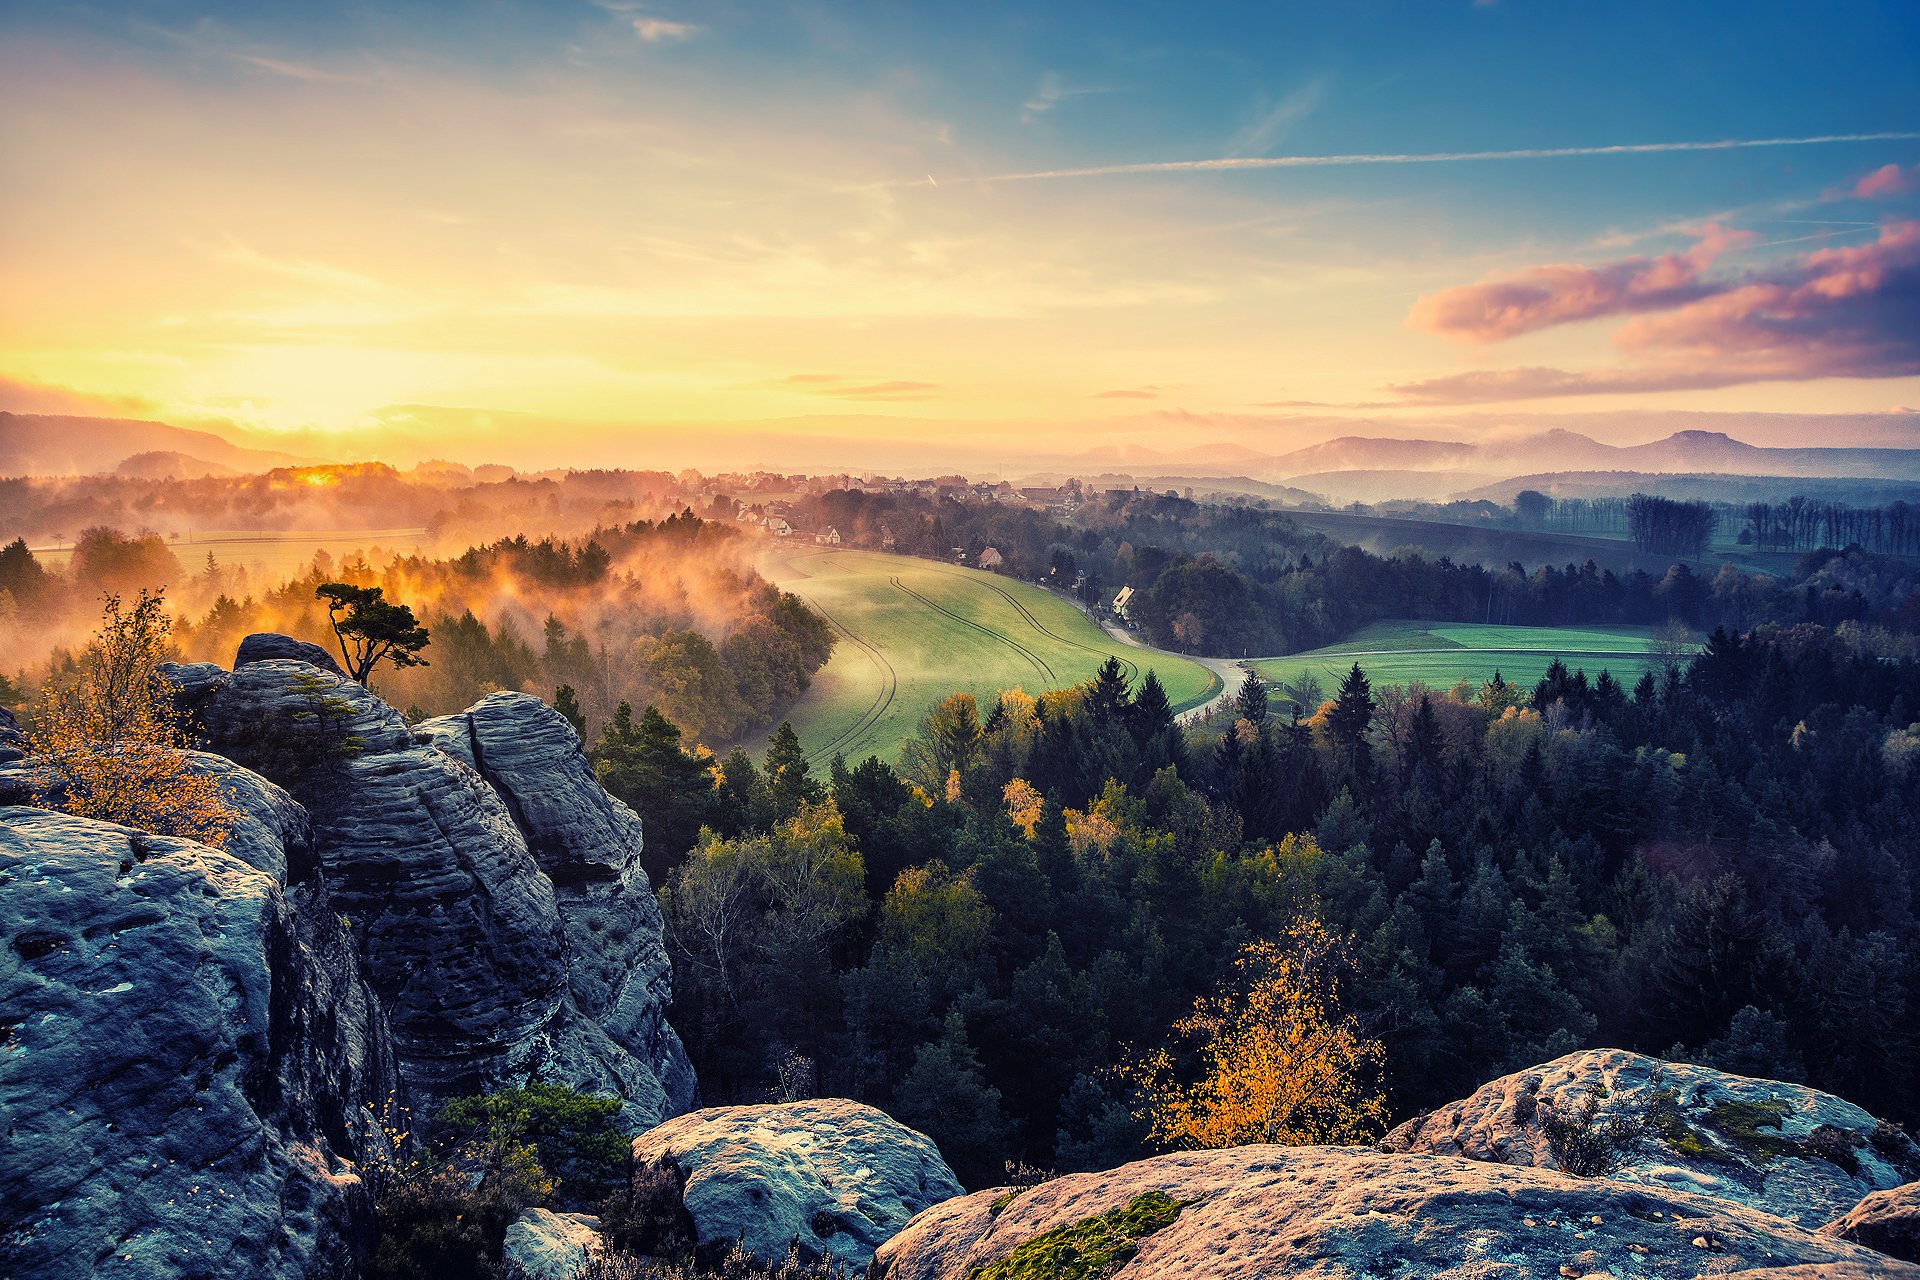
x=838, y=1176
x=190, y=1067
x=1787, y=1149
x=588, y=844
x=1340, y=1212
x=494, y=964
x=1886, y=1220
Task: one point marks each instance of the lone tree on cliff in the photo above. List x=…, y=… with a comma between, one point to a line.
x=370, y=627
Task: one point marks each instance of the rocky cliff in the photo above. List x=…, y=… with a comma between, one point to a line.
x=190, y=1067
x=494, y=889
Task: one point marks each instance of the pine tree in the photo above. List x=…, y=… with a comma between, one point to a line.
x=1349, y=719
x=1251, y=701
x=1107, y=693
x=789, y=784
x=568, y=706
x=1152, y=712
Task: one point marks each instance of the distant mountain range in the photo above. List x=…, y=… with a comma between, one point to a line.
x=1547, y=451
x=36, y=444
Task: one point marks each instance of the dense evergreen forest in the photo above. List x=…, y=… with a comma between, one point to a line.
x=1720, y=861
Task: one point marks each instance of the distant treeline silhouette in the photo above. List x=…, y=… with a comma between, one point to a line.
x=1664, y=526
x=1801, y=524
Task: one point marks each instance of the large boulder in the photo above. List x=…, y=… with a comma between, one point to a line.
x=1784, y=1148
x=268, y=646
x=1338, y=1213
x=836, y=1176
x=543, y=1245
x=190, y=1067
x=1888, y=1221
x=490, y=973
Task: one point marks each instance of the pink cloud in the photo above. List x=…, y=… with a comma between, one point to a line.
x=1501, y=307
x=1836, y=313
x=1887, y=180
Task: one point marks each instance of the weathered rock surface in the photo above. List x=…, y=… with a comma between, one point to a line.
x=489, y=974
x=543, y=1245
x=838, y=1176
x=1881, y=1270
x=189, y=1064
x=13, y=742
x=1888, y=1221
x=264, y=646
x=1321, y=1213
x=1784, y=1148
x=588, y=844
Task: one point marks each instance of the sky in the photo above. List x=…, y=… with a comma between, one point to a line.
x=604, y=224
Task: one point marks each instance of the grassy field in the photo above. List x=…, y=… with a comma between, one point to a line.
x=912, y=631
x=1438, y=654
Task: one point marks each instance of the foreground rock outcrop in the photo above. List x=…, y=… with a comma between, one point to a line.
x=1339, y=1212
x=837, y=1176
x=1886, y=1220
x=544, y=1245
x=190, y=1067
x=1792, y=1151
x=494, y=890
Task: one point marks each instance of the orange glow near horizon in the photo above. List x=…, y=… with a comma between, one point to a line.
x=385, y=247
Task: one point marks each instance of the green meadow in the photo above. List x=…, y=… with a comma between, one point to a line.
x=913, y=631
x=1440, y=654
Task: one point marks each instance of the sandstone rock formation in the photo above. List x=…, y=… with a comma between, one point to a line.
x=1888, y=1221
x=1327, y=1212
x=503, y=917
x=837, y=1176
x=189, y=1064
x=544, y=1245
x=264, y=646
x=1787, y=1149
x=588, y=844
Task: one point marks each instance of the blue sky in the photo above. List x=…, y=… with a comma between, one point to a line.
x=305, y=215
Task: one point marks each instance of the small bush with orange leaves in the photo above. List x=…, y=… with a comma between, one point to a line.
x=1276, y=1059
x=107, y=743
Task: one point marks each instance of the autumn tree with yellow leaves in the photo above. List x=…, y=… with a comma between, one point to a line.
x=1277, y=1060
x=107, y=742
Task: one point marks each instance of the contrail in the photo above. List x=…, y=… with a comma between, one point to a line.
x=1436, y=157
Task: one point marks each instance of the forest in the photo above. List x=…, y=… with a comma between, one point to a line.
x=1715, y=862
x=1718, y=862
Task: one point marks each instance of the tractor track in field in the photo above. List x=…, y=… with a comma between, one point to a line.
x=1040, y=664
x=1130, y=668
x=882, y=699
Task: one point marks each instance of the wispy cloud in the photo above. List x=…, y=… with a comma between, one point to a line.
x=1277, y=120
x=650, y=27
x=843, y=387
x=1887, y=180
x=1232, y=163
x=1833, y=313
x=1502, y=307
x=1051, y=92
x=1130, y=393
